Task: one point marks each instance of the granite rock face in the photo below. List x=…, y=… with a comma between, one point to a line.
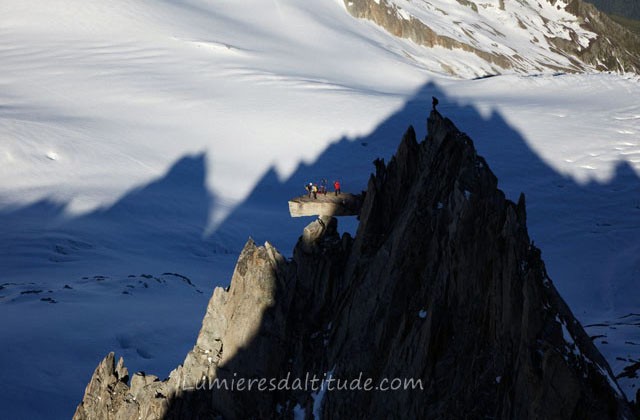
x=441, y=285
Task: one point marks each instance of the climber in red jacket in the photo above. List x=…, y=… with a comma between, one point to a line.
x=336, y=186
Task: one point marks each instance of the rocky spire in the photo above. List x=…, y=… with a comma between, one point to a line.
x=446, y=285
x=441, y=285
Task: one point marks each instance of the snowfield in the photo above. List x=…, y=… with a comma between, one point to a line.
x=143, y=142
x=519, y=30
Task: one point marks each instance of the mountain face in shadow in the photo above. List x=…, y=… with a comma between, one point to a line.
x=441, y=286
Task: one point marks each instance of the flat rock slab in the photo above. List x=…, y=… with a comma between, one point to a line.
x=344, y=204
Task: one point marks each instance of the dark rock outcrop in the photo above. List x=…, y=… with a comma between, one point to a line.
x=441, y=285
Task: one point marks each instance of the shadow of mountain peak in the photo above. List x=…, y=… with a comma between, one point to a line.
x=561, y=210
x=182, y=191
x=162, y=220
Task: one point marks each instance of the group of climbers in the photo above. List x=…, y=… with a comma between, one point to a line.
x=313, y=189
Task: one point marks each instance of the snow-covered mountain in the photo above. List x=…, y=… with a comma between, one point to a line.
x=142, y=142
x=497, y=35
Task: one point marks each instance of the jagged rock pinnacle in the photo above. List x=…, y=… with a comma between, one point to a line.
x=441, y=285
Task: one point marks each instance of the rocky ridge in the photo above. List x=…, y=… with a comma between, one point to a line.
x=441, y=284
x=589, y=40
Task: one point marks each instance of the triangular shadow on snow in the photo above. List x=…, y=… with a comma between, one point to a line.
x=149, y=222
x=575, y=208
x=346, y=159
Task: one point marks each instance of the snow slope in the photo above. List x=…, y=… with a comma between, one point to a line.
x=524, y=36
x=142, y=142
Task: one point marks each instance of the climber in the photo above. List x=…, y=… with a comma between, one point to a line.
x=314, y=190
x=434, y=102
x=308, y=187
x=336, y=186
x=323, y=186
x=379, y=164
